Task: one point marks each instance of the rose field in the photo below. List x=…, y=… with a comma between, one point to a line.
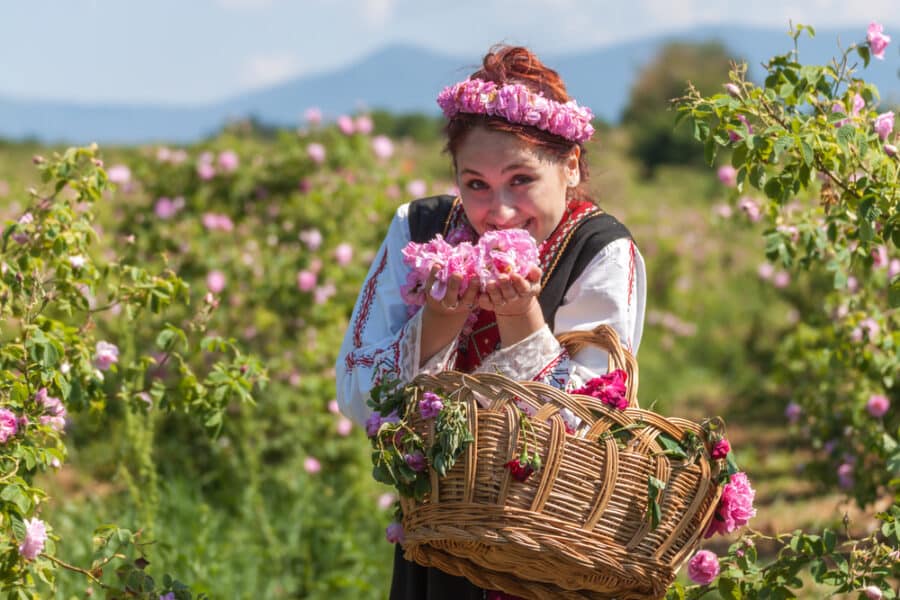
x=171, y=318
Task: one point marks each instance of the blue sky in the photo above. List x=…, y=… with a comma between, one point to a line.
x=187, y=52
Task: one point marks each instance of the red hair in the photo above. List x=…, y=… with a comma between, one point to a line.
x=515, y=64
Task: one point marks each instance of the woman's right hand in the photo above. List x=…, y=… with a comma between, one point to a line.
x=452, y=304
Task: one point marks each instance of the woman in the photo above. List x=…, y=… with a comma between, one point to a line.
x=516, y=140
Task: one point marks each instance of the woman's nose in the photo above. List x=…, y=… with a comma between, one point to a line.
x=502, y=210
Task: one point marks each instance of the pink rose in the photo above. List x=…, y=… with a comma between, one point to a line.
x=343, y=254
x=165, y=208
x=781, y=279
x=119, y=174
x=35, y=536
x=877, y=40
x=323, y=293
x=721, y=449
x=750, y=208
x=316, y=152
x=8, y=425
x=215, y=281
x=386, y=500
x=430, y=405
x=106, y=355
x=206, y=171
x=306, y=281
x=735, y=507
x=311, y=465
x=703, y=568
x=364, y=124
x=765, y=271
x=313, y=115
x=382, y=146
x=878, y=405
x=727, y=175
x=845, y=475
x=416, y=188
x=894, y=268
x=879, y=256
x=416, y=461
x=872, y=592
x=884, y=125
x=312, y=238
x=733, y=90
x=890, y=150
x=228, y=161
x=345, y=124
x=344, y=427
x=394, y=533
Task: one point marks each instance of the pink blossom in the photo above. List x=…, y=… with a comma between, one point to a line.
x=845, y=475
x=877, y=40
x=106, y=355
x=311, y=465
x=323, y=293
x=735, y=507
x=394, y=533
x=722, y=210
x=790, y=231
x=8, y=424
x=364, y=124
x=884, y=125
x=858, y=104
x=313, y=115
x=206, y=171
x=386, y=500
x=894, y=268
x=792, y=412
x=703, y=568
x=344, y=426
x=765, y=271
x=215, y=281
x=878, y=405
x=736, y=136
x=609, y=389
x=781, y=279
x=77, y=261
x=868, y=328
x=852, y=284
x=333, y=407
x=312, y=238
x=343, y=254
x=316, y=152
x=119, y=174
x=382, y=146
x=733, y=90
x=164, y=208
x=430, y=405
x=228, y=161
x=416, y=188
x=35, y=536
x=306, y=281
x=219, y=222
x=880, y=256
x=890, y=150
x=838, y=107
x=721, y=449
x=728, y=175
x=345, y=124
x=872, y=592
x=750, y=208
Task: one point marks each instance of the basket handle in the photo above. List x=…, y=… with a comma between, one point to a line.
x=606, y=338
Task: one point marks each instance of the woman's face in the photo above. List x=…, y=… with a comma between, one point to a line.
x=505, y=184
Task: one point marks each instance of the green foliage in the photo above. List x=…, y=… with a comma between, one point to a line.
x=648, y=117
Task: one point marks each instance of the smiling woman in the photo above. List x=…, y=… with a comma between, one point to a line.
x=517, y=144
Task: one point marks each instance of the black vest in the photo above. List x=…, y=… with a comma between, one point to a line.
x=429, y=217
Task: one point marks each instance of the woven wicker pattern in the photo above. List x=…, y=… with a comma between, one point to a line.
x=578, y=527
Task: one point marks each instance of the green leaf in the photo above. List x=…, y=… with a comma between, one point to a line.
x=729, y=589
x=864, y=54
x=773, y=189
x=14, y=494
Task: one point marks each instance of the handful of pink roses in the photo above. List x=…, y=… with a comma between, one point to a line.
x=495, y=254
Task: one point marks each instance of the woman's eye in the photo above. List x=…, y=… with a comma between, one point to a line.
x=522, y=179
x=476, y=184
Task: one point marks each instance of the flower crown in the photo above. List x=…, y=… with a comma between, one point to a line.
x=518, y=104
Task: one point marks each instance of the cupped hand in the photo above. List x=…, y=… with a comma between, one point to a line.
x=512, y=295
x=451, y=303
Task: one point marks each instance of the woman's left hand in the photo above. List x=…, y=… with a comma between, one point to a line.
x=513, y=295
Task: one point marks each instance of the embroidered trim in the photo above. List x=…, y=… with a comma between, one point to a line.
x=564, y=355
x=366, y=306
x=555, y=246
x=631, y=269
x=351, y=361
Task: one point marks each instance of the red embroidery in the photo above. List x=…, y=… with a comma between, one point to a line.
x=367, y=297
x=351, y=361
x=551, y=365
x=631, y=271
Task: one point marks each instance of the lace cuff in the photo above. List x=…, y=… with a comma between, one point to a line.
x=411, y=352
x=524, y=359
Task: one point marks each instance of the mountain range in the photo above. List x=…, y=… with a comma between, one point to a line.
x=404, y=78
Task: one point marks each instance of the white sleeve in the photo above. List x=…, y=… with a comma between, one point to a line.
x=382, y=336
x=611, y=290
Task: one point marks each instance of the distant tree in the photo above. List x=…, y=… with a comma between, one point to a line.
x=416, y=126
x=650, y=122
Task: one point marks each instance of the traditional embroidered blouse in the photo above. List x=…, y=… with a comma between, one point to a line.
x=384, y=335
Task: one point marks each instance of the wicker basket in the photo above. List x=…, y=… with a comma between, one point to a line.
x=579, y=526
